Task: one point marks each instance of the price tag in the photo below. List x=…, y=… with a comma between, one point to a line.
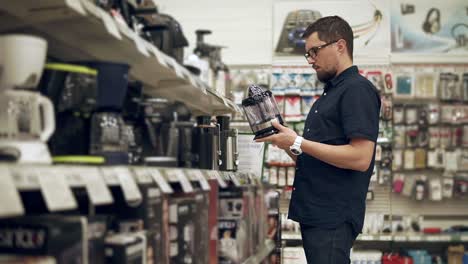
x=197, y=175
x=385, y=238
x=110, y=177
x=142, y=176
x=109, y=23
x=140, y=45
x=366, y=237
x=179, y=175
x=55, y=190
x=11, y=204
x=95, y=185
x=73, y=178
x=400, y=238
x=129, y=187
x=415, y=238
x=214, y=175
x=158, y=54
x=24, y=178
x=445, y=238
x=432, y=238
x=76, y=5
x=234, y=179
x=159, y=179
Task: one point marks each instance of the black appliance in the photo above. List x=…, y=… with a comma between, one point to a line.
x=228, y=145
x=206, y=144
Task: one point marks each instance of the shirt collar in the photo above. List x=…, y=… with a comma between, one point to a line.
x=338, y=79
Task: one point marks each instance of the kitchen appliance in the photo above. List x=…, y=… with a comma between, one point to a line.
x=261, y=109
x=206, y=144
x=228, y=145
x=22, y=59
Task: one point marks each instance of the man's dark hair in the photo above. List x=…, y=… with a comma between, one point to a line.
x=332, y=28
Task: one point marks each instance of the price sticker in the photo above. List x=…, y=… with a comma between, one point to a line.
x=55, y=190
x=415, y=238
x=179, y=175
x=366, y=238
x=234, y=179
x=159, y=179
x=214, y=175
x=385, y=238
x=140, y=45
x=142, y=176
x=11, y=204
x=129, y=187
x=96, y=187
x=400, y=238
x=109, y=23
x=76, y=5
x=197, y=175
x=110, y=177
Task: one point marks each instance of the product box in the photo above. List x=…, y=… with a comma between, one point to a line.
x=126, y=248
x=62, y=237
x=228, y=242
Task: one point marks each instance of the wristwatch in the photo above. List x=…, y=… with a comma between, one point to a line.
x=296, y=147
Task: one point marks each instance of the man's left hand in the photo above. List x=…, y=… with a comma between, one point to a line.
x=283, y=139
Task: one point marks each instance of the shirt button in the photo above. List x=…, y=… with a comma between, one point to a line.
x=324, y=93
x=316, y=111
x=294, y=189
x=308, y=130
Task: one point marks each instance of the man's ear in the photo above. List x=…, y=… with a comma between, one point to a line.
x=341, y=44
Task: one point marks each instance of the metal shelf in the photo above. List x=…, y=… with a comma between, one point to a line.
x=79, y=30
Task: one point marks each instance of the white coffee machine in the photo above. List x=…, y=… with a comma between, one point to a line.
x=26, y=116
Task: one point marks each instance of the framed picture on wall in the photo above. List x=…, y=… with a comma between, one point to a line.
x=429, y=27
x=371, y=27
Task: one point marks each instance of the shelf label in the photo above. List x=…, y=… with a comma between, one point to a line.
x=197, y=175
x=76, y=5
x=24, y=178
x=214, y=175
x=400, y=238
x=414, y=238
x=179, y=175
x=109, y=23
x=129, y=187
x=140, y=44
x=142, y=175
x=386, y=238
x=73, y=178
x=110, y=177
x=445, y=238
x=159, y=179
x=55, y=190
x=234, y=179
x=95, y=185
x=11, y=204
x=366, y=238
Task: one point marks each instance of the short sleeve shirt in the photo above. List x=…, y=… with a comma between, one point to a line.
x=324, y=195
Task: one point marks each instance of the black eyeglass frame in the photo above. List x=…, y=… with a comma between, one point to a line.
x=315, y=50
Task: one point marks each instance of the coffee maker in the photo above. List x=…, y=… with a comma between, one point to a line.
x=228, y=145
x=170, y=132
x=206, y=146
x=27, y=117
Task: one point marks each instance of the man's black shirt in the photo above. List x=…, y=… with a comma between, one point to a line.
x=324, y=195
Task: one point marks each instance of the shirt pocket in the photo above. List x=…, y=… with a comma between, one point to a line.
x=323, y=125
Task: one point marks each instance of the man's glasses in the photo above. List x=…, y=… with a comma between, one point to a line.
x=312, y=52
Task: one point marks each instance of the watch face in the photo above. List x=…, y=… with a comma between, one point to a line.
x=295, y=151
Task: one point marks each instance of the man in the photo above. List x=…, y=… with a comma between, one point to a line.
x=335, y=157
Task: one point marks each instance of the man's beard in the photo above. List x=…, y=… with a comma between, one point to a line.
x=325, y=76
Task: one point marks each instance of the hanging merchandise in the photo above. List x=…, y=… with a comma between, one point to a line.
x=404, y=85
x=447, y=187
x=465, y=86
x=386, y=112
x=409, y=185
x=376, y=78
x=434, y=137
x=420, y=188
x=452, y=160
x=433, y=113
x=463, y=160
x=388, y=83
x=435, y=189
x=445, y=133
x=411, y=114
x=261, y=109
x=425, y=85
x=436, y=158
x=449, y=86
x=423, y=137
x=457, y=136
x=398, y=114
x=460, y=188
x=412, y=135
x=420, y=158
x=399, y=136
x=398, y=182
x=397, y=162
x=447, y=114
x=408, y=155
x=292, y=107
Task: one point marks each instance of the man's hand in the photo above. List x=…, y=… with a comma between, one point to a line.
x=283, y=140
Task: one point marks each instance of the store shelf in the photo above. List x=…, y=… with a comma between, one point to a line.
x=463, y=237
x=79, y=30
x=262, y=253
